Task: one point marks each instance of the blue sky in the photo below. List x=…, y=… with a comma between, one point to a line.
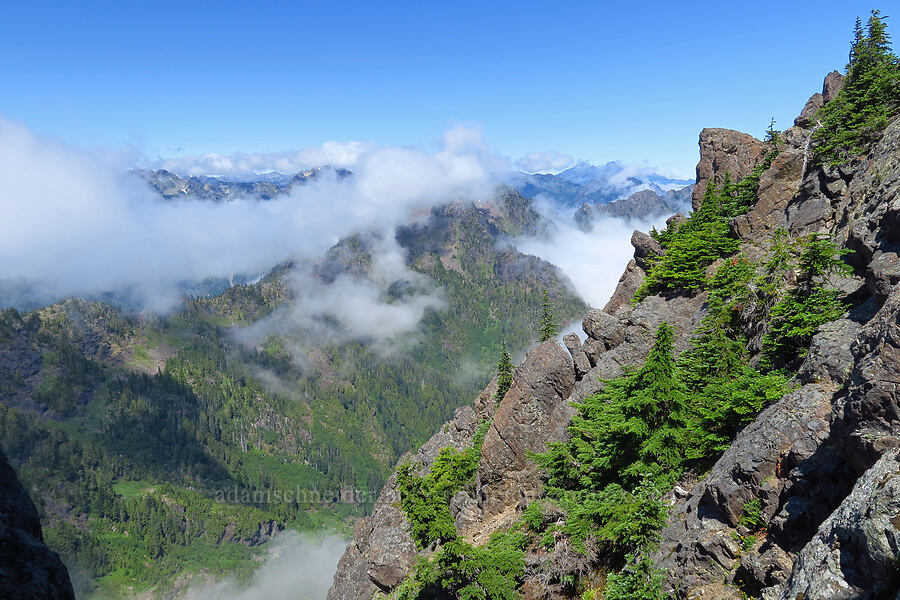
x=594, y=80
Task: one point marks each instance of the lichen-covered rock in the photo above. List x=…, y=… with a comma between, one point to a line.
x=28, y=569
x=830, y=359
x=854, y=553
x=768, y=567
x=867, y=417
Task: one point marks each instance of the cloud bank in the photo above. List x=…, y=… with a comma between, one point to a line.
x=593, y=260
x=383, y=305
x=544, y=162
x=77, y=224
x=299, y=567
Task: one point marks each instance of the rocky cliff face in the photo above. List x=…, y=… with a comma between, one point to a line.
x=822, y=461
x=28, y=569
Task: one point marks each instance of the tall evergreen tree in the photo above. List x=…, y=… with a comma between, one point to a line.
x=638, y=425
x=548, y=327
x=869, y=98
x=504, y=374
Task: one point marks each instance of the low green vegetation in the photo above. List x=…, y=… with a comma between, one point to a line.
x=868, y=100
x=751, y=515
x=634, y=439
x=809, y=302
x=457, y=568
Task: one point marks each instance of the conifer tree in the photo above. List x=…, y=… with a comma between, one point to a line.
x=504, y=374
x=869, y=98
x=773, y=136
x=638, y=425
x=809, y=303
x=547, y=326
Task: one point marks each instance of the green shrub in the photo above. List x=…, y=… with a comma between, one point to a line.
x=637, y=425
x=457, y=568
x=751, y=516
x=808, y=304
x=637, y=581
x=425, y=499
x=691, y=247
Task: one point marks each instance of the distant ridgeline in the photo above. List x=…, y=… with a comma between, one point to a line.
x=156, y=447
x=588, y=184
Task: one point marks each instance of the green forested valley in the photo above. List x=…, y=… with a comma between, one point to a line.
x=158, y=446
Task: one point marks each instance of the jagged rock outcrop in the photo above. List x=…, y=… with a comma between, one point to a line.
x=628, y=284
x=533, y=412
x=382, y=550
x=28, y=569
x=780, y=458
x=832, y=85
x=645, y=248
x=823, y=436
x=725, y=151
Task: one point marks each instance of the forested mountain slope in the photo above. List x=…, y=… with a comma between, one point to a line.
x=156, y=447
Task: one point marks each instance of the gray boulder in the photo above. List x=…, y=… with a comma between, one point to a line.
x=854, y=553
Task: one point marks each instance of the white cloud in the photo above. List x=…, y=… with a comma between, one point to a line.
x=299, y=567
x=336, y=154
x=593, y=260
x=76, y=223
x=544, y=162
x=382, y=306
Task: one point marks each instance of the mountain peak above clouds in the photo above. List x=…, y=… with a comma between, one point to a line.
x=586, y=183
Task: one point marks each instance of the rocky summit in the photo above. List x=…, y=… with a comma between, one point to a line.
x=804, y=503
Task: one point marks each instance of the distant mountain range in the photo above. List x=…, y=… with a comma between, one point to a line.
x=642, y=205
x=585, y=183
x=262, y=187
